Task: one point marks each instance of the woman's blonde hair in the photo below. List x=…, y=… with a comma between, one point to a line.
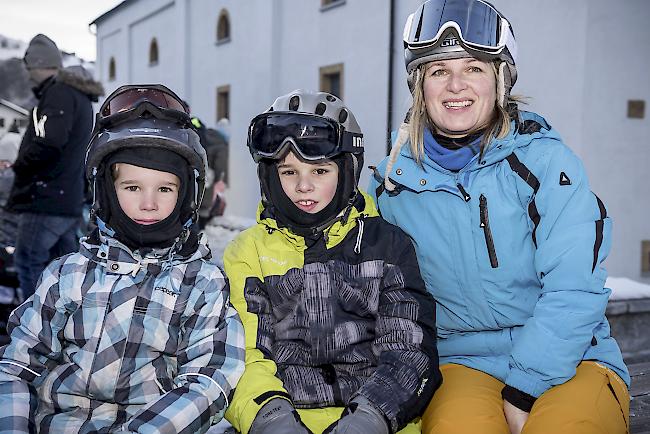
x=499, y=126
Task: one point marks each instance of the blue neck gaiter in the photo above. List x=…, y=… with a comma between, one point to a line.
x=450, y=159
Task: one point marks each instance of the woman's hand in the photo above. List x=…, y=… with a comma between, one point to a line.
x=515, y=417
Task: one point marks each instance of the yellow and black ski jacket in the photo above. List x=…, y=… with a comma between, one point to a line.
x=333, y=317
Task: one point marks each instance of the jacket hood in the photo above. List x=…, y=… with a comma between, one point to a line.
x=119, y=259
x=80, y=79
x=363, y=207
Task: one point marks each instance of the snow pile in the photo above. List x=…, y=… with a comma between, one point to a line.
x=221, y=230
x=626, y=289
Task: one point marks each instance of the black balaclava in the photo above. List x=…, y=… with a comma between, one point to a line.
x=289, y=215
x=163, y=233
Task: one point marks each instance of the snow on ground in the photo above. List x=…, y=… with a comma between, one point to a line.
x=626, y=289
x=221, y=230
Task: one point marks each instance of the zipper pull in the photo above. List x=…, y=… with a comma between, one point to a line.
x=466, y=196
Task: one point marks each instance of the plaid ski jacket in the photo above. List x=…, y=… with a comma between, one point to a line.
x=331, y=319
x=115, y=342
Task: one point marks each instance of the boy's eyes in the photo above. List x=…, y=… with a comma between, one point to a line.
x=319, y=171
x=161, y=189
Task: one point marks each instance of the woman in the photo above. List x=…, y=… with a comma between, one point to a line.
x=509, y=238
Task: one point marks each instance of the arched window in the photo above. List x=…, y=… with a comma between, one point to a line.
x=153, y=52
x=223, y=27
x=111, y=69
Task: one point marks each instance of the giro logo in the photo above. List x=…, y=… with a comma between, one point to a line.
x=449, y=42
x=357, y=142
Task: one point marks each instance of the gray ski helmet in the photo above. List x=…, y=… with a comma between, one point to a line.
x=149, y=132
x=326, y=105
x=451, y=29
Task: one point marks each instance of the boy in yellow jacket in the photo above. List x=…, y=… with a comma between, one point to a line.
x=340, y=330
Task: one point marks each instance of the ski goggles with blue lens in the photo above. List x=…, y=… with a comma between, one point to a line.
x=477, y=23
x=313, y=137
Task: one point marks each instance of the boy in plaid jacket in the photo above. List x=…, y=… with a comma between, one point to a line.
x=135, y=332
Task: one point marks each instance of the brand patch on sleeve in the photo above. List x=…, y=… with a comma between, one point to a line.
x=564, y=180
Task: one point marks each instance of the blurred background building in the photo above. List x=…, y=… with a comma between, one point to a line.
x=583, y=64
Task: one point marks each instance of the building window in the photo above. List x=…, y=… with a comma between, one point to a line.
x=111, y=69
x=223, y=102
x=153, y=52
x=645, y=258
x=636, y=109
x=223, y=27
x=331, y=79
x=2, y=122
x=328, y=4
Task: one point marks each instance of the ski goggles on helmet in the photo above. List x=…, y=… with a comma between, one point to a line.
x=131, y=101
x=313, y=137
x=477, y=23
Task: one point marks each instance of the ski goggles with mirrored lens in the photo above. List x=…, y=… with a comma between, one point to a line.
x=130, y=101
x=313, y=137
x=478, y=25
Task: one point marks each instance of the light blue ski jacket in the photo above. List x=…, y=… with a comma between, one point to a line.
x=511, y=248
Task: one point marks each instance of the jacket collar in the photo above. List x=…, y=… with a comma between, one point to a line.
x=334, y=234
x=402, y=168
x=40, y=89
x=119, y=259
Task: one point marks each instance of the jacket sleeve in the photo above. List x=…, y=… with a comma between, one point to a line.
x=572, y=234
x=34, y=327
x=259, y=384
x=52, y=121
x=210, y=362
x=407, y=374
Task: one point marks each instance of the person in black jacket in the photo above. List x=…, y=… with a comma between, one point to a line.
x=48, y=187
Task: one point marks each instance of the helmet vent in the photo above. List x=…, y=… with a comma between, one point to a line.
x=320, y=108
x=331, y=98
x=294, y=103
x=343, y=115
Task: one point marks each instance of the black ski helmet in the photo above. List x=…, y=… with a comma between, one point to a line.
x=150, y=124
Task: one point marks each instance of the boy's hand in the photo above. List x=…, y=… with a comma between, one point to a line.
x=515, y=417
x=278, y=416
x=359, y=417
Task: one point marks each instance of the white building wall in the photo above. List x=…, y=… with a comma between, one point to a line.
x=579, y=62
x=616, y=148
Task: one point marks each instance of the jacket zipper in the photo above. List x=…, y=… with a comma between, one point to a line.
x=101, y=333
x=485, y=224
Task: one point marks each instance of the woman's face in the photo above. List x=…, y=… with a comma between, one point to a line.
x=459, y=95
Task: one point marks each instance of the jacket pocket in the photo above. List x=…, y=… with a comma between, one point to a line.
x=485, y=224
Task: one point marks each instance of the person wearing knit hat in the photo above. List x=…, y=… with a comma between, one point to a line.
x=42, y=58
x=508, y=234
x=48, y=186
